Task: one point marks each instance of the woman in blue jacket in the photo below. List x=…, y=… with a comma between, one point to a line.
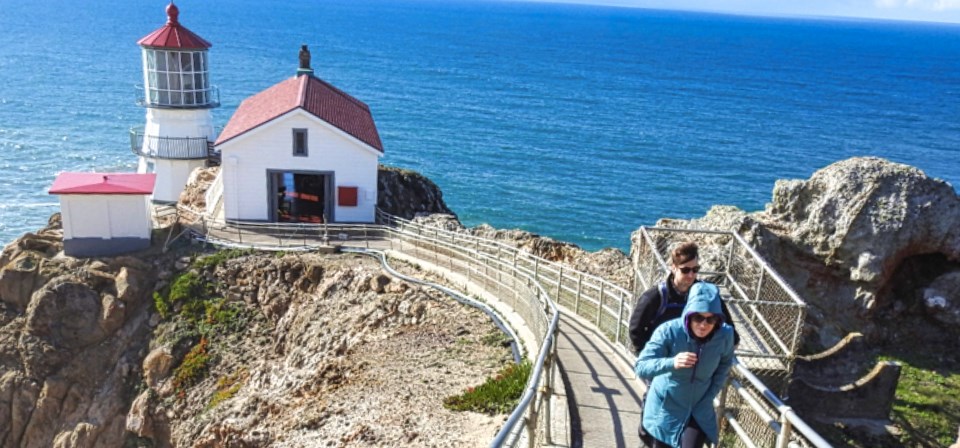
x=688, y=359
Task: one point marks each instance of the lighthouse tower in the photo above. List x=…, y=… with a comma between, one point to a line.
x=178, y=97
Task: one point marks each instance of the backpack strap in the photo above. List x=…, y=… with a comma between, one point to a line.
x=664, y=298
x=665, y=301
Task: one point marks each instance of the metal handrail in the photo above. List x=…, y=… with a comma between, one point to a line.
x=608, y=301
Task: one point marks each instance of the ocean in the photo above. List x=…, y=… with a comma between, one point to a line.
x=581, y=123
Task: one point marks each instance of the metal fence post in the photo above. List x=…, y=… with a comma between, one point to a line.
x=536, y=269
x=531, y=425
x=576, y=305
x=783, y=439
x=759, y=283
x=600, y=306
x=722, y=406
x=620, y=317
x=559, y=282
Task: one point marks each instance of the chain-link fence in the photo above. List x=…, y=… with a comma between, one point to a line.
x=767, y=313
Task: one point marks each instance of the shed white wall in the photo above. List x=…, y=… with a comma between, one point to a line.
x=105, y=216
x=247, y=159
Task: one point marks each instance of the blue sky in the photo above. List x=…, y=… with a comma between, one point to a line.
x=923, y=10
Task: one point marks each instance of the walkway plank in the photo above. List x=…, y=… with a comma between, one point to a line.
x=602, y=390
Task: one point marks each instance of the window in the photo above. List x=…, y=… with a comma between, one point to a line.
x=300, y=142
x=176, y=78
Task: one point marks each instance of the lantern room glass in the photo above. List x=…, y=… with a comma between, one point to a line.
x=177, y=78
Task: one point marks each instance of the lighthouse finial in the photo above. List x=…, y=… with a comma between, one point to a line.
x=172, y=13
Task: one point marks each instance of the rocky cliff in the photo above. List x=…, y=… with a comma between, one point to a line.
x=192, y=348
x=873, y=246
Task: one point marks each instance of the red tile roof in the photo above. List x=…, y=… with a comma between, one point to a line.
x=103, y=183
x=311, y=94
x=174, y=35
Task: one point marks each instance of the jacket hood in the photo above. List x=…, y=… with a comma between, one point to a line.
x=703, y=298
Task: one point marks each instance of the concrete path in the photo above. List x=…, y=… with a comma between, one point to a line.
x=602, y=390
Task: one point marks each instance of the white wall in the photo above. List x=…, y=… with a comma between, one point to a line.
x=247, y=158
x=172, y=176
x=185, y=123
x=179, y=123
x=105, y=216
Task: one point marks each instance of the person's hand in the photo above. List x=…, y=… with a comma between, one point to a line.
x=684, y=360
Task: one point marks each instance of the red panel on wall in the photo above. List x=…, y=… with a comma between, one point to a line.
x=347, y=196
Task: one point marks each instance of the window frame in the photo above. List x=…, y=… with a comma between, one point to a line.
x=306, y=142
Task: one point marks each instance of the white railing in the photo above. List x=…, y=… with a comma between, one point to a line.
x=214, y=196
x=533, y=287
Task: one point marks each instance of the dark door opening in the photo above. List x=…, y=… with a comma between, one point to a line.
x=301, y=197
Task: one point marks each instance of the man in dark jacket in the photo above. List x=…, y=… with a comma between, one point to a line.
x=666, y=300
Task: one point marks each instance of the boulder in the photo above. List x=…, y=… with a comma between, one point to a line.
x=862, y=241
x=405, y=193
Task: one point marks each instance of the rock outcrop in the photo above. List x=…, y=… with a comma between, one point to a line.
x=333, y=350
x=71, y=333
x=865, y=242
x=290, y=350
x=406, y=193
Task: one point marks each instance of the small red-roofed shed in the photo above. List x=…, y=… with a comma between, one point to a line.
x=300, y=151
x=104, y=213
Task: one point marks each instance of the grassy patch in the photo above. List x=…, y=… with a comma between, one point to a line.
x=496, y=339
x=227, y=387
x=220, y=257
x=186, y=288
x=927, y=404
x=497, y=395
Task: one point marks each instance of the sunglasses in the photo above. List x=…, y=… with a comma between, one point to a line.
x=700, y=318
x=687, y=270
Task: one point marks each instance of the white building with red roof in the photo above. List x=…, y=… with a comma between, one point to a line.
x=104, y=213
x=178, y=97
x=300, y=151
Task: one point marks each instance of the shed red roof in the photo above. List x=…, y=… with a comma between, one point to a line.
x=103, y=183
x=173, y=34
x=311, y=94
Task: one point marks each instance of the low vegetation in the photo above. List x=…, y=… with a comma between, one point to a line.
x=193, y=368
x=497, y=395
x=219, y=257
x=227, y=387
x=927, y=404
x=926, y=407
x=197, y=312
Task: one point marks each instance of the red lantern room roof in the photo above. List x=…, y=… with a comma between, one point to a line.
x=174, y=35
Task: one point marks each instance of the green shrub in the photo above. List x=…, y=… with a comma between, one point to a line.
x=160, y=303
x=187, y=286
x=497, y=395
x=496, y=339
x=227, y=387
x=222, y=317
x=219, y=257
x=193, y=367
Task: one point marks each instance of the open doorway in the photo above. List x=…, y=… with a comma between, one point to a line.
x=301, y=197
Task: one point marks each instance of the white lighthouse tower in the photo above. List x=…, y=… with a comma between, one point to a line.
x=178, y=96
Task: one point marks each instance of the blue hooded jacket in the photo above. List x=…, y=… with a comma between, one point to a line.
x=677, y=395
